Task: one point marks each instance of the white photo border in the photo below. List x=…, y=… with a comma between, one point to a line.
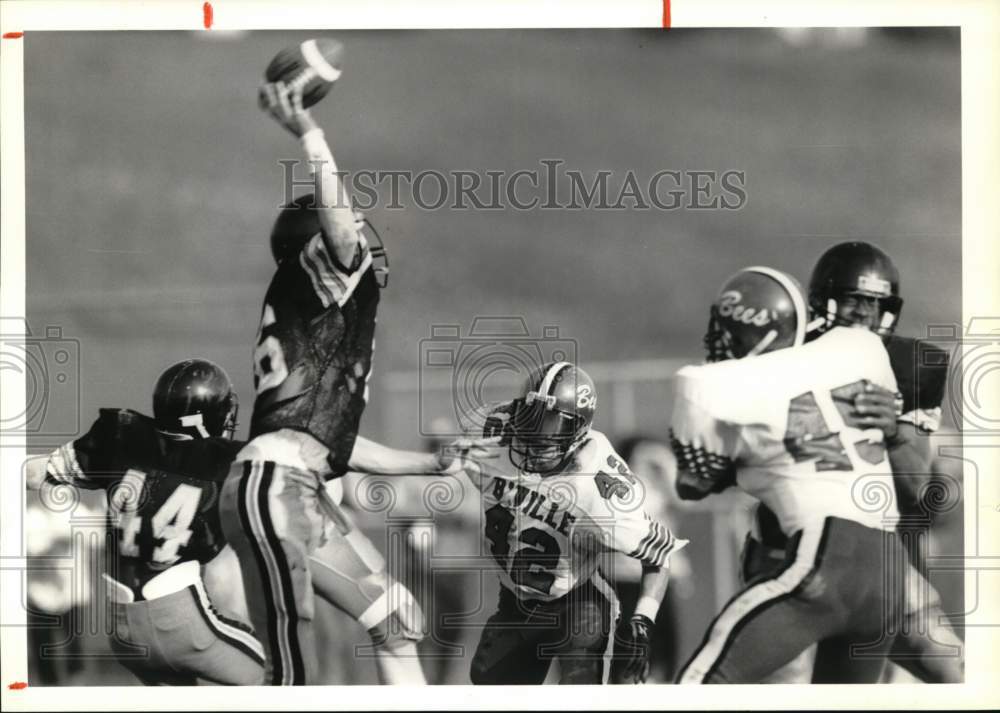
x=980, y=29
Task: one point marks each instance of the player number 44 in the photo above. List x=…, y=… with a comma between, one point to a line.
x=170, y=525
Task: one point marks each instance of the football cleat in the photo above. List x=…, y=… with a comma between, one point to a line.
x=195, y=397
x=846, y=279
x=552, y=417
x=299, y=221
x=758, y=310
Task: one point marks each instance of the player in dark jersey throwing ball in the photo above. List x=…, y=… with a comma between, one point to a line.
x=162, y=477
x=312, y=363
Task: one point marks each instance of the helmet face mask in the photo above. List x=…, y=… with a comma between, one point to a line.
x=552, y=418
x=231, y=421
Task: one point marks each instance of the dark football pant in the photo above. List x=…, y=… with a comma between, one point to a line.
x=521, y=639
x=840, y=583
x=178, y=638
x=926, y=645
x=271, y=516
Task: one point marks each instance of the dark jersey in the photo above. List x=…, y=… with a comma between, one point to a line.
x=314, y=349
x=921, y=371
x=162, y=492
x=921, y=374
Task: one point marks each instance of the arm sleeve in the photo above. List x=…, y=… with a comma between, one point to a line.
x=644, y=539
x=332, y=283
x=335, y=212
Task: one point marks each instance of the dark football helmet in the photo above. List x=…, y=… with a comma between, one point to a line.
x=758, y=310
x=299, y=221
x=195, y=397
x=552, y=417
x=859, y=272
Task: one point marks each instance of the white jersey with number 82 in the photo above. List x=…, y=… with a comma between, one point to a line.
x=547, y=533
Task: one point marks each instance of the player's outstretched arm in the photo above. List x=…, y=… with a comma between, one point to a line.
x=283, y=101
x=376, y=459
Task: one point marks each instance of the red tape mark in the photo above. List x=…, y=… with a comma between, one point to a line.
x=17, y=685
x=209, y=15
x=13, y=36
x=666, y=14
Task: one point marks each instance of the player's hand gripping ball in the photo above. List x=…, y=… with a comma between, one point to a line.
x=314, y=64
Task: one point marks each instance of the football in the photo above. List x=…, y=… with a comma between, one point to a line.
x=318, y=59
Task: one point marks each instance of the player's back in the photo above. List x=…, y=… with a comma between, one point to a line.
x=314, y=348
x=162, y=492
x=785, y=419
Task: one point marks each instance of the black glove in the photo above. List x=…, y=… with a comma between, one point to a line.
x=631, y=657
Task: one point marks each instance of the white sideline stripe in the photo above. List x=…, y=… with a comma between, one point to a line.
x=745, y=603
x=257, y=525
x=229, y=630
x=379, y=610
x=318, y=62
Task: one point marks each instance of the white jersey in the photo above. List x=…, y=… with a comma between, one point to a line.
x=548, y=533
x=784, y=420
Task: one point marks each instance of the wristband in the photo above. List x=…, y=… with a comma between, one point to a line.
x=648, y=607
x=313, y=141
